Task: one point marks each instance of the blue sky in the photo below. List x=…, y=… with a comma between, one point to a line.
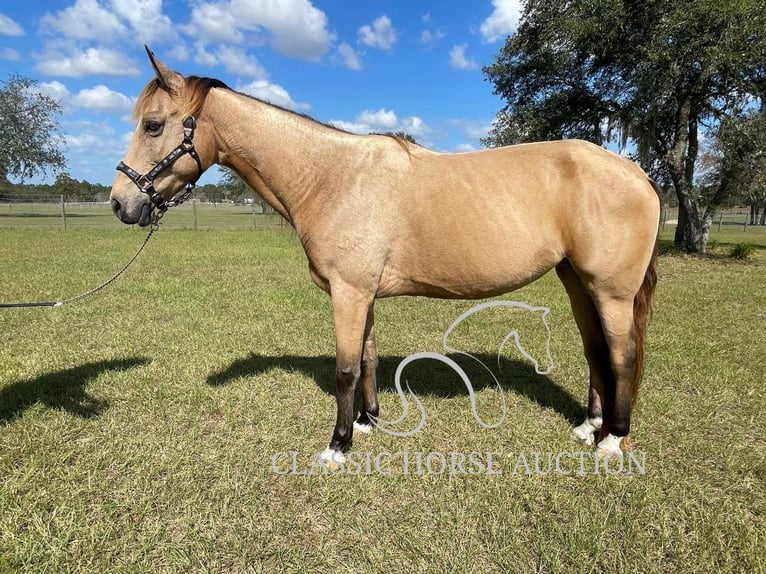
x=363, y=66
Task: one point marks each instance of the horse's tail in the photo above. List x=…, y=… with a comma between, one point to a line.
x=642, y=309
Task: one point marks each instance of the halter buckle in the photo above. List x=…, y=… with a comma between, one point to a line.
x=189, y=124
x=144, y=183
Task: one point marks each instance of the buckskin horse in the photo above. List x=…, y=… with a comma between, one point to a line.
x=380, y=217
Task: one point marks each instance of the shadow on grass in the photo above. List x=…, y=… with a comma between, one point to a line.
x=425, y=377
x=63, y=389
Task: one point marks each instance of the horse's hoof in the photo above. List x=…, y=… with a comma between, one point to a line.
x=612, y=446
x=363, y=428
x=586, y=432
x=331, y=459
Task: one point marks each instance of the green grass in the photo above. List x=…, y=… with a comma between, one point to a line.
x=137, y=428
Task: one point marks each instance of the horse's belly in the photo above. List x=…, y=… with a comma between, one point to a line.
x=454, y=274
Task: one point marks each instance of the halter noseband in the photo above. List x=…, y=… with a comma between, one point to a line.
x=145, y=183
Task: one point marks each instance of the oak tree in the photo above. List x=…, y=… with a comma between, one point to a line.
x=652, y=76
x=31, y=142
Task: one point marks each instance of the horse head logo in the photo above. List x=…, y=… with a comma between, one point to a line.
x=389, y=427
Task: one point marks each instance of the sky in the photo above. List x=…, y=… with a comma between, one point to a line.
x=363, y=66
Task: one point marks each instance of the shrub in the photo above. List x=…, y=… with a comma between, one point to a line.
x=743, y=251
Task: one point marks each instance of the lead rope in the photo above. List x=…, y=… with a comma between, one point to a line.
x=154, y=227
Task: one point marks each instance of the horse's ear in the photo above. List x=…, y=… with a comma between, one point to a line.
x=167, y=77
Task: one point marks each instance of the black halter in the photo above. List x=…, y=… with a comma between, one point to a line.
x=145, y=183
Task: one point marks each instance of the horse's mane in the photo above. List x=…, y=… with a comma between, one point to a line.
x=197, y=89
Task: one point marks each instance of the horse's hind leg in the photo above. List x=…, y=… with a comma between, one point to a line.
x=596, y=351
x=370, y=408
x=618, y=325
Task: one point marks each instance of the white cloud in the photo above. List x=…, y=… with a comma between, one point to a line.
x=350, y=57
x=9, y=27
x=458, y=59
x=9, y=54
x=428, y=37
x=464, y=147
x=91, y=61
x=84, y=142
x=104, y=22
x=98, y=99
x=295, y=27
x=57, y=91
x=205, y=58
x=102, y=99
x=414, y=126
x=125, y=140
x=178, y=51
x=378, y=35
x=146, y=20
x=472, y=129
x=383, y=120
x=90, y=137
x=503, y=21
x=353, y=127
x=236, y=61
x=215, y=22
x=111, y=21
x=93, y=148
x=272, y=93
x=85, y=20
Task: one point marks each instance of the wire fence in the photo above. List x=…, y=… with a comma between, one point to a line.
x=199, y=216
x=736, y=217
x=192, y=215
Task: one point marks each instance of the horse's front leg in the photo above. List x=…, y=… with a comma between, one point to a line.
x=350, y=308
x=370, y=408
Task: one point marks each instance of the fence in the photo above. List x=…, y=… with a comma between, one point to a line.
x=737, y=217
x=196, y=215
x=192, y=215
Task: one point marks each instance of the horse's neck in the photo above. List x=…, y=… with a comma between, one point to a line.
x=281, y=155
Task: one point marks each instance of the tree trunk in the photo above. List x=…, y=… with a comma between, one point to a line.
x=691, y=232
x=693, y=229
x=762, y=221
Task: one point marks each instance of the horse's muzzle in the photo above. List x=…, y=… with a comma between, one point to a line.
x=141, y=214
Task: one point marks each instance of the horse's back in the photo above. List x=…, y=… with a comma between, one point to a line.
x=483, y=223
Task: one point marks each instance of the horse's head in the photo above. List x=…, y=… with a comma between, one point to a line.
x=168, y=150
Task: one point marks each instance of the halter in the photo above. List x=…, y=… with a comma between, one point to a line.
x=145, y=183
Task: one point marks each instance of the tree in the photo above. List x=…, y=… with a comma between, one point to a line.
x=400, y=135
x=655, y=74
x=235, y=188
x=739, y=161
x=30, y=137
x=66, y=186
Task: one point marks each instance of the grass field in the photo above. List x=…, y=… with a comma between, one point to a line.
x=139, y=428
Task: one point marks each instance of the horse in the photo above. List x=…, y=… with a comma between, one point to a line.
x=378, y=216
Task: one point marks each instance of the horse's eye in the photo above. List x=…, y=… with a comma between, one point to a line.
x=153, y=128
